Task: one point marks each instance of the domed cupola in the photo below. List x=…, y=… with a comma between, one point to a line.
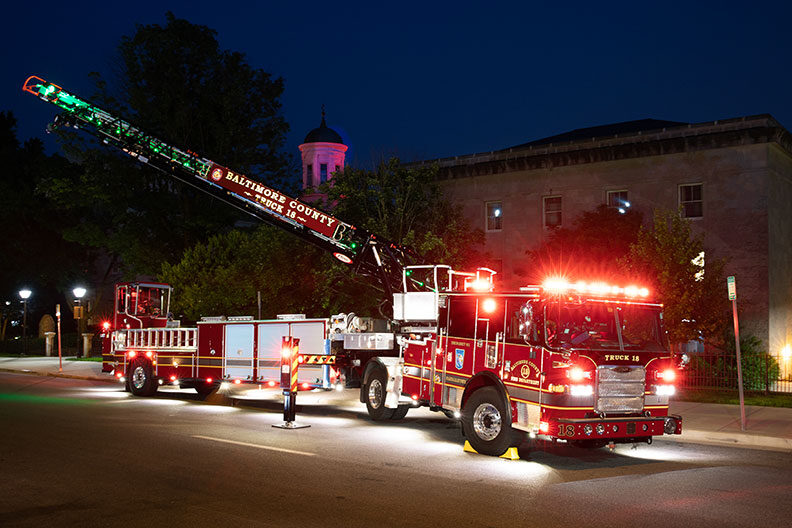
x=323, y=153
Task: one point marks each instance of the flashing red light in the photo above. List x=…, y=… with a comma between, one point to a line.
x=668, y=375
x=414, y=397
x=173, y=378
x=576, y=374
x=131, y=354
x=149, y=354
x=480, y=285
x=489, y=305
x=544, y=427
x=559, y=285
x=305, y=385
x=271, y=383
x=106, y=326
x=119, y=374
x=208, y=380
x=237, y=381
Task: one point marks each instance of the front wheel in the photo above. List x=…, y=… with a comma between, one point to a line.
x=141, y=378
x=400, y=412
x=374, y=392
x=487, y=423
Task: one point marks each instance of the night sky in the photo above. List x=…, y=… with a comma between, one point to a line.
x=433, y=79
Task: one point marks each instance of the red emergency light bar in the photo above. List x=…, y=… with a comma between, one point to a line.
x=561, y=286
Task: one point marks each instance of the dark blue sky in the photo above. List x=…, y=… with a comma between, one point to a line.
x=432, y=79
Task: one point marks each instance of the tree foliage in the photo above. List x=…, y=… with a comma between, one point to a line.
x=663, y=256
x=400, y=204
x=588, y=249
x=175, y=82
x=223, y=275
x=32, y=252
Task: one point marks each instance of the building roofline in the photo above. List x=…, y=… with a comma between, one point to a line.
x=691, y=130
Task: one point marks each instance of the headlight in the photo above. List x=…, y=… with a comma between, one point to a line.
x=581, y=390
x=665, y=390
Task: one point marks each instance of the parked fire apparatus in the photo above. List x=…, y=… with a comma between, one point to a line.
x=586, y=363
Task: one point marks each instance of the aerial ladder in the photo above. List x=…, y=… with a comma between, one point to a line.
x=367, y=254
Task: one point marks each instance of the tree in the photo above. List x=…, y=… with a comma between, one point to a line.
x=589, y=249
x=223, y=275
x=401, y=204
x=669, y=257
x=32, y=251
x=406, y=206
x=175, y=82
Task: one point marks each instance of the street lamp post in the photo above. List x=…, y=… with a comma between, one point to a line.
x=24, y=294
x=79, y=293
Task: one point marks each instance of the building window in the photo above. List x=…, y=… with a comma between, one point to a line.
x=618, y=200
x=494, y=216
x=323, y=172
x=309, y=175
x=552, y=211
x=690, y=200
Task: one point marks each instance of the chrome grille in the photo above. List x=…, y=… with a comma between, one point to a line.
x=620, y=389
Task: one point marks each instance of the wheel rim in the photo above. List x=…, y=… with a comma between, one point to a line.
x=487, y=421
x=138, y=377
x=375, y=393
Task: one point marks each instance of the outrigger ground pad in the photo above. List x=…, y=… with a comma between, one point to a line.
x=510, y=454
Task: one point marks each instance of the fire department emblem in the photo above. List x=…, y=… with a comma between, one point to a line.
x=217, y=174
x=459, y=358
x=525, y=371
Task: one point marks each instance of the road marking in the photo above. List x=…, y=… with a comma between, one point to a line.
x=259, y=446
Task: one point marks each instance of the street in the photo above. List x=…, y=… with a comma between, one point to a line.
x=83, y=453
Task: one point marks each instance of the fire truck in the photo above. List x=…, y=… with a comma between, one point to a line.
x=580, y=362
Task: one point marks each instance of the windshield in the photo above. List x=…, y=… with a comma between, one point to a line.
x=598, y=325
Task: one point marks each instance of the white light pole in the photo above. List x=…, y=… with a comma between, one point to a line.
x=24, y=294
x=79, y=293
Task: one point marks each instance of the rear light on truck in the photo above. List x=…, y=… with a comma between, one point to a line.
x=131, y=354
x=208, y=380
x=544, y=427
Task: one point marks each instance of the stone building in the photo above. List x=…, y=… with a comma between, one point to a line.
x=732, y=178
x=322, y=152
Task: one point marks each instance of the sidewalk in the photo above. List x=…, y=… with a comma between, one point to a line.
x=703, y=423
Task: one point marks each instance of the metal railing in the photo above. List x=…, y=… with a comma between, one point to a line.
x=157, y=339
x=718, y=370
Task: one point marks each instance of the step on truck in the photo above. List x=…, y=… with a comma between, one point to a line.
x=583, y=362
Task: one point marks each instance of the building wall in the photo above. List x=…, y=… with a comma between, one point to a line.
x=780, y=266
x=747, y=190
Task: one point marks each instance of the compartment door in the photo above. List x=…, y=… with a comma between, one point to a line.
x=238, y=357
x=270, y=339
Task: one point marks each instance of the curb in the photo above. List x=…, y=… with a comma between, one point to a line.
x=742, y=440
x=57, y=375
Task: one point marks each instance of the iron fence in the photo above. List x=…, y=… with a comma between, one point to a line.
x=718, y=370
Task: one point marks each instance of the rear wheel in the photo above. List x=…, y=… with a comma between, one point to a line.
x=141, y=378
x=487, y=423
x=374, y=392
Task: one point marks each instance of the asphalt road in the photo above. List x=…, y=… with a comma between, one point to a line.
x=79, y=453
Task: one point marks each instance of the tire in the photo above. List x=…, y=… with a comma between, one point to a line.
x=141, y=378
x=374, y=391
x=400, y=412
x=486, y=422
x=204, y=389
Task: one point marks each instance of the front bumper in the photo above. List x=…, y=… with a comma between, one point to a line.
x=622, y=428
